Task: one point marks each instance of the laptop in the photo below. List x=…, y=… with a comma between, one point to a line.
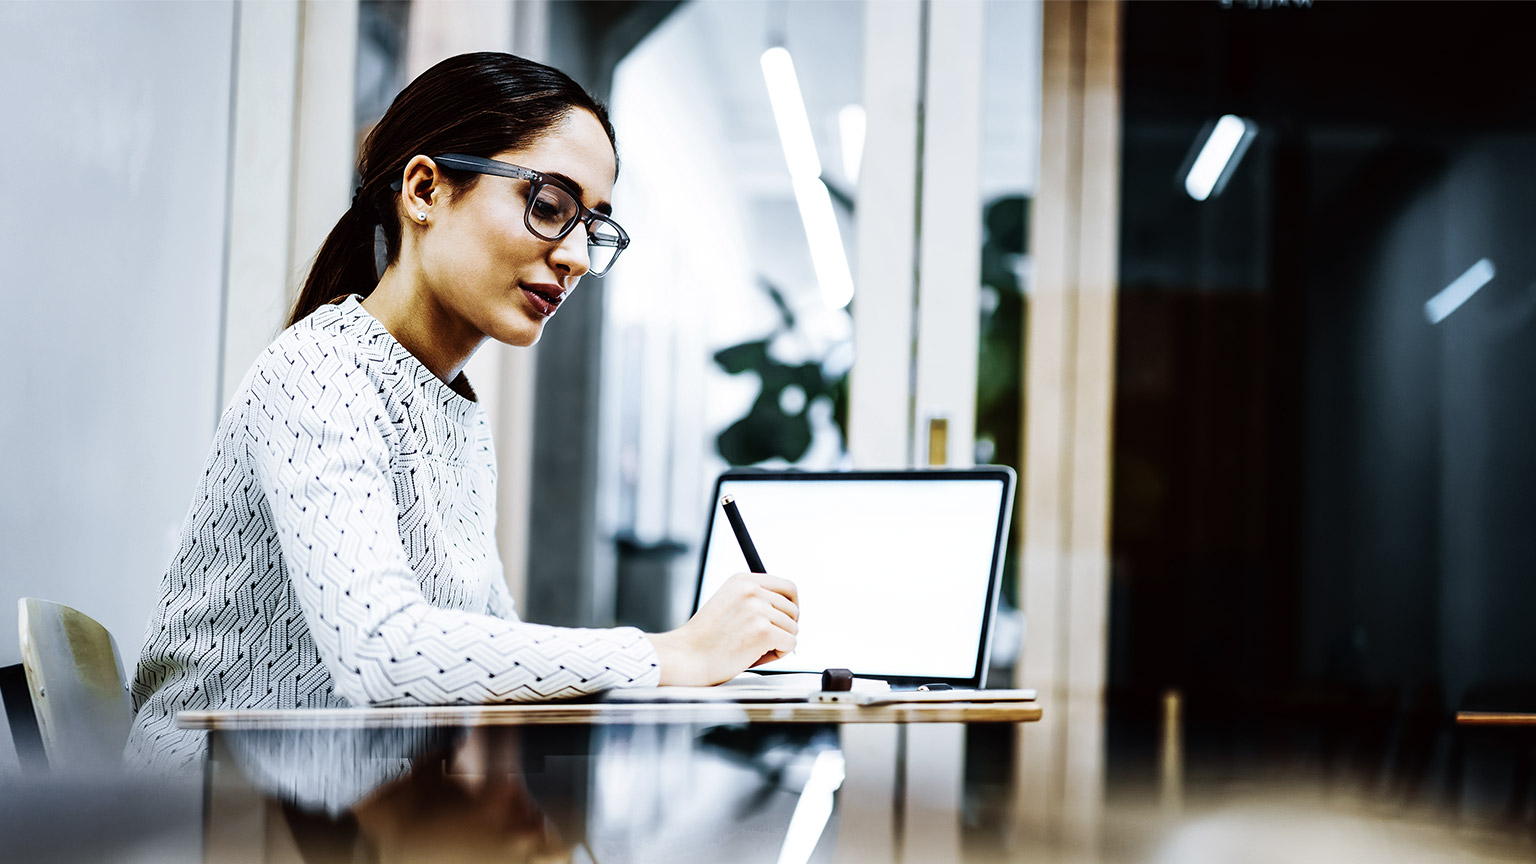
x=897, y=571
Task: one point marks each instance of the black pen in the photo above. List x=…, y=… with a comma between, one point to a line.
x=754, y=563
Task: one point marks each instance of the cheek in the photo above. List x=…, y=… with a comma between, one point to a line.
x=482, y=256
x=501, y=238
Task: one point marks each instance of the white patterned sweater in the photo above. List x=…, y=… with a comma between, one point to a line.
x=341, y=550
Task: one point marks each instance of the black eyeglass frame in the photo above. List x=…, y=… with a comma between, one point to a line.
x=584, y=216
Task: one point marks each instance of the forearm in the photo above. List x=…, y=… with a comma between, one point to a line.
x=429, y=656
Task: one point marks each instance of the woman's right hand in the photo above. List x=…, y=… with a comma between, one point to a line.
x=752, y=619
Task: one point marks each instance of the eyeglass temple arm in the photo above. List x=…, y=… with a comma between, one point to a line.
x=460, y=162
x=485, y=166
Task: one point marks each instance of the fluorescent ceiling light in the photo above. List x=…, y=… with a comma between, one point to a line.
x=1458, y=292
x=789, y=114
x=850, y=127
x=827, y=254
x=826, y=242
x=1228, y=141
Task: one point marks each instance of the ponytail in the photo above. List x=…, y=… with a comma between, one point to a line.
x=345, y=263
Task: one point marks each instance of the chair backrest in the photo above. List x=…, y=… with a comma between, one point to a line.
x=76, y=681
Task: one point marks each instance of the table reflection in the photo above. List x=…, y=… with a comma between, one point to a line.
x=536, y=794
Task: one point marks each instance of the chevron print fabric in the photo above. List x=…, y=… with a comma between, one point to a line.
x=340, y=550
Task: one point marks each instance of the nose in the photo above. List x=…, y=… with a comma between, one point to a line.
x=570, y=255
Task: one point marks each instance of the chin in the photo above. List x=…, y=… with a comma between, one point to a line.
x=520, y=335
x=518, y=338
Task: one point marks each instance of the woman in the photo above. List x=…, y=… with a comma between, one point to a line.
x=341, y=546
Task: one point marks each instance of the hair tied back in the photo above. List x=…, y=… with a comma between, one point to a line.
x=366, y=208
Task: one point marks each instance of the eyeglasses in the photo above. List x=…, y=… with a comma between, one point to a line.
x=553, y=209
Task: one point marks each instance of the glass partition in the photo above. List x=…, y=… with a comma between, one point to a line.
x=1322, y=463
x=728, y=336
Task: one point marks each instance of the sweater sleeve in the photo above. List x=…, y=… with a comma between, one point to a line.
x=318, y=449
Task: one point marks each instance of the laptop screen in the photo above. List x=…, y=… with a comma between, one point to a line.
x=897, y=571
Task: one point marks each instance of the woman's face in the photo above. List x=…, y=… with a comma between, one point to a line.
x=480, y=261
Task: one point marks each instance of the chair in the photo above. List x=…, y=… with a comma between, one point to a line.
x=75, y=678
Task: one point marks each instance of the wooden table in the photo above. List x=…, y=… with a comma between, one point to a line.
x=1494, y=718
x=901, y=765
x=598, y=713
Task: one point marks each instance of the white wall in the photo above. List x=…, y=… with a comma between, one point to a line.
x=116, y=154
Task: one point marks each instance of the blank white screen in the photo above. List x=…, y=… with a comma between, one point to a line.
x=893, y=575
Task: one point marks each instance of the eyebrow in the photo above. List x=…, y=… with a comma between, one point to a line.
x=604, y=208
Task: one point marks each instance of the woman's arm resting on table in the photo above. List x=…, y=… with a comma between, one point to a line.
x=752, y=619
x=323, y=464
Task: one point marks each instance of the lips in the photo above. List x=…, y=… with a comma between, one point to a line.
x=544, y=299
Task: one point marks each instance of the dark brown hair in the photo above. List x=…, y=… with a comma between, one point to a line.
x=478, y=104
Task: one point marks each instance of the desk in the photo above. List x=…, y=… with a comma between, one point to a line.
x=1494, y=718
x=628, y=769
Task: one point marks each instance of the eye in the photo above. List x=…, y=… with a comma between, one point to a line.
x=553, y=207
x=546, y=208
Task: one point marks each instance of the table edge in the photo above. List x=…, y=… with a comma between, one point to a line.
x=1494, y=718
x=604, y=714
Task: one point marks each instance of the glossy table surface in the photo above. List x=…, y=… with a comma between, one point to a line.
x=1494, y=718
x=546, y=714
x=629, y=781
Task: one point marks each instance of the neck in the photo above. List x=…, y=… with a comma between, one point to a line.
x=441, y=340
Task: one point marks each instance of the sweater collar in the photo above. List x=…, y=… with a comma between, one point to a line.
x=413, y=374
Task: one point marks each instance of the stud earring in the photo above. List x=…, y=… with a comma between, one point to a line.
x=421, y=215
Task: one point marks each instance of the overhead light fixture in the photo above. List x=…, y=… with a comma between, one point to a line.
x=1225, y=144
x=850, y=127
x=828, y=257
x=825, y=240
x=1453, y=295
x=789, y=113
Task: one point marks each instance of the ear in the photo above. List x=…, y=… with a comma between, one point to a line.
x=420, y=188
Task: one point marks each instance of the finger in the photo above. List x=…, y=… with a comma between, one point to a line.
x=781, y=644
x=783, y=604
x=781, y=586
x=783, y=621
x=782, y=641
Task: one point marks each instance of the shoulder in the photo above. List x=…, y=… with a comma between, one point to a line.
x=329, y=346
x=324, y=365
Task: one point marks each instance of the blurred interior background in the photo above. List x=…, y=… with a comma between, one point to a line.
x=1241, y=288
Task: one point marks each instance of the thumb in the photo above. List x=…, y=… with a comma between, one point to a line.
x=767, y=658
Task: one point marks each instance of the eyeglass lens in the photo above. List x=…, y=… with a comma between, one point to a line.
x=553, y=211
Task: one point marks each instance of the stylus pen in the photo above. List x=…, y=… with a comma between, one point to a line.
x=754, y=563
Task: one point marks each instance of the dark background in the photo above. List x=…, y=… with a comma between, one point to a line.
x=1322, y=501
